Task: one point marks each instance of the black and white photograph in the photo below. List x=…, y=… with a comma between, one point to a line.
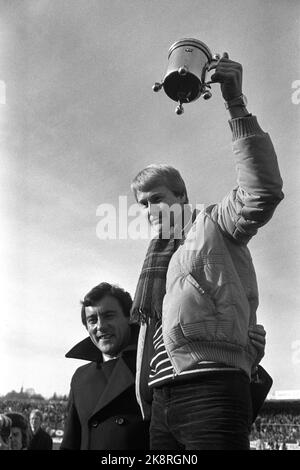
x=150, y=257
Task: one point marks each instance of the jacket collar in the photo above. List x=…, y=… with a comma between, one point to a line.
x=87, y=351
x=122, y=377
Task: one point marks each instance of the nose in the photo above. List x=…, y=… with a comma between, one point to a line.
x=146, y=206
x=100, y=325
x=155, y=209
x=149, y=209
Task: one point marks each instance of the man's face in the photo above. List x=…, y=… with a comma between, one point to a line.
x=15, y=439
x=35, y=423
x=157, y=203
x=107, y=326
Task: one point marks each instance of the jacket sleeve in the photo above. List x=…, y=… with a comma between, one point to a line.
x=72, y=431
x=252, y=203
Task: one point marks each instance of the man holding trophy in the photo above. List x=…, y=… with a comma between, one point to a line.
x=197, y=295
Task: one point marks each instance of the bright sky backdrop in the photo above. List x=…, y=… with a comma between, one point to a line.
x=80, y=121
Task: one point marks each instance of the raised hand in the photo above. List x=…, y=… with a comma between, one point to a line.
x=229, y=74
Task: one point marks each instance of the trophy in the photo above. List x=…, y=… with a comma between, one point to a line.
x=185, y=78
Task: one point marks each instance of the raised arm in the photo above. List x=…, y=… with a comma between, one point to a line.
x=252, y=203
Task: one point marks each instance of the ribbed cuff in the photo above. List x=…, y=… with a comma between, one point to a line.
x=245, y=127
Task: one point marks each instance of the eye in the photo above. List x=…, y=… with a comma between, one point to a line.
x=110, y=316
x=156, y=200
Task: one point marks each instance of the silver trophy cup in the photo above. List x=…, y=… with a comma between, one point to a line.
x=185, y=78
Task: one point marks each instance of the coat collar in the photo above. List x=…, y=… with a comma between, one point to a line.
x=87, y=351
x=121, y=379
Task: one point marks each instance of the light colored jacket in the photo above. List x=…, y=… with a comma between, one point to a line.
x=211, y=289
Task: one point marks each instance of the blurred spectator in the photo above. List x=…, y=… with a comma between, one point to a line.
x=40, y=439
x=271, y=444
x=284, y=447
x=20, y=434
x=260, y=443
x=5, y=430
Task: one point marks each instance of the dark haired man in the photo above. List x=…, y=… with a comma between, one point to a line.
x=103, y=413
x=41, y=440
x=197, y=295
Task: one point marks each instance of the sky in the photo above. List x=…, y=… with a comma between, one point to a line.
x=80, y=119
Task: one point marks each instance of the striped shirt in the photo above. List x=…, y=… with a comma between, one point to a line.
x=162, y=371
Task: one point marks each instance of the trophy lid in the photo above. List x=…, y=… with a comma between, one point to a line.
x=192, y=43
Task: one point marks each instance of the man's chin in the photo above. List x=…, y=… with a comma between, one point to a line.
x=107, y=351
x=106, y=348
x=162, y=231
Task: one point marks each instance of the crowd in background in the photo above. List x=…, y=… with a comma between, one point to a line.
x=273, y=429
x=54, y=413
x=31, y=425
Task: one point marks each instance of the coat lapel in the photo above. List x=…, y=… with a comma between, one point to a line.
x=120, y=379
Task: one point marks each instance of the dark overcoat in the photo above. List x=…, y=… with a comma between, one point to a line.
x=104, y=415
x=41, y=441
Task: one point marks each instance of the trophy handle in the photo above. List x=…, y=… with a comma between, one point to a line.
x=206, y=93
x=214, y=62
x=213, y=65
